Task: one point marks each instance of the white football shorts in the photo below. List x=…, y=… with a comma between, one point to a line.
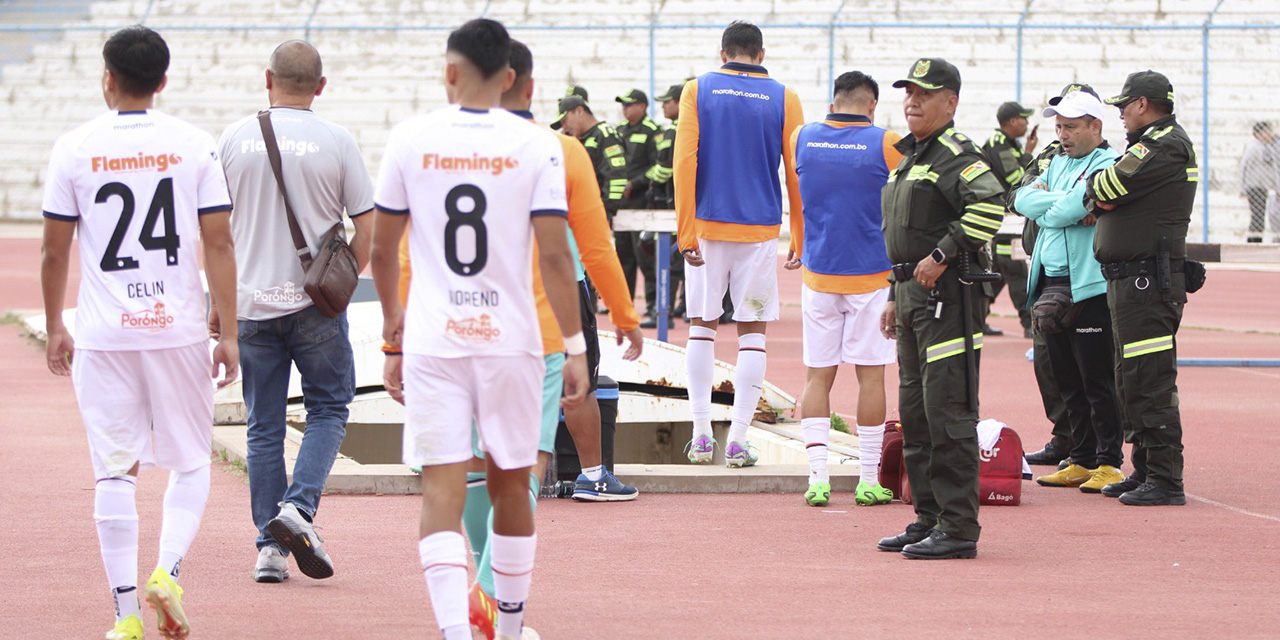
x=748, y=270
x=502, y=394
x=154, y=408
x=845, y=328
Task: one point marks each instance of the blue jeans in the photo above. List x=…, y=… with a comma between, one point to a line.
x=322, y=352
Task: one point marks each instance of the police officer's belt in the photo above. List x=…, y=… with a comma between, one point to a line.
x=1122, y=270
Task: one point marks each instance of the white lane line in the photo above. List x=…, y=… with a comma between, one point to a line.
x=1228, y=507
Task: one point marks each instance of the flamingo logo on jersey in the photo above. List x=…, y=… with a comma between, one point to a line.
x=474, y=330
x=154, y=319
x=141, y=162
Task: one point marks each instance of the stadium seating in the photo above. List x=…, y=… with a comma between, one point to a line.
x=383, y=61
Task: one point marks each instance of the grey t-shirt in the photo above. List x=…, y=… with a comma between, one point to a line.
x=325, y=175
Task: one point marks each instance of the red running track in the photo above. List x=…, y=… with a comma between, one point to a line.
x=713, y=566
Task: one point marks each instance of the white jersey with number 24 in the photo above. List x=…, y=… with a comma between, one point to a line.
x=136, y=184
x=471, y=182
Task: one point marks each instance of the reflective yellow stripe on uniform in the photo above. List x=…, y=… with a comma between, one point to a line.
x=981, y=220
x=948, y=144
x=1144, y=347
x=664, y=144
x=1004, y=249
x=638, y=138
x=922, y=172
x=1015, y=176
x=658, y=173
x=1193, y=174
x=950, y=348
x=1161, y=133
x=618, y=161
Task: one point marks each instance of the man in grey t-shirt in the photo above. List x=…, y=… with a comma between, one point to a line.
x=278, y=322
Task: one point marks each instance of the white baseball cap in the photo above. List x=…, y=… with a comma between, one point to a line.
x=1075, y=105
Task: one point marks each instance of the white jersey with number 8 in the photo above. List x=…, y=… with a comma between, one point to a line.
x=136, y=183
x=471, y=182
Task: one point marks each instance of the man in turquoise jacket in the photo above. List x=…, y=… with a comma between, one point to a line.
x=1065, y=273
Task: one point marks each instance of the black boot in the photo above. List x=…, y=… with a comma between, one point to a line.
x=1116, y=489
x=1152, y=495
x=915, y=533
x=941, y=545
x=1050, y=455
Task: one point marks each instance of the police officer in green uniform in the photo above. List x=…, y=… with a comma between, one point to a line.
x=1009, y=162
x=639, y=135
x=1143, y=203
x=942, y=204
x=1055, y=451
x=603, y=146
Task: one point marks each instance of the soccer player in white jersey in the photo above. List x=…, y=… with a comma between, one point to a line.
x=479, y=185
x=142, y=189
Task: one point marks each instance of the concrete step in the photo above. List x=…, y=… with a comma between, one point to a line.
x=351, y=477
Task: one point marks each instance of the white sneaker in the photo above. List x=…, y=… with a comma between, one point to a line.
x=272, y=565
x=294, y=533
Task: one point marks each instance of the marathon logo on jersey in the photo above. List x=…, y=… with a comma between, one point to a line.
x=141, y=162
x=495, y=165
x=855, y=146
x=287, y=145
x=741, y=94
x=282, y=295
x=474, y=330
x=155, y=319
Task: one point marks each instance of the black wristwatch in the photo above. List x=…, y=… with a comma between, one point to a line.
x=938, y=256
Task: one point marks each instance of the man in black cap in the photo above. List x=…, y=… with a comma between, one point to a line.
x=640, y=138
x=1056, y=450
x=1143, y=204
x=1009, y=161
x=608, y=156
x=941, y=205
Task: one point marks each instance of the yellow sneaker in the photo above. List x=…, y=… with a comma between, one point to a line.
x=1101, y=477
x=1073, y=476
x=128, y=629
x=165, y=596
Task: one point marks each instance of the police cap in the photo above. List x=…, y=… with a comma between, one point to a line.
x=633, y=96
x=567, y=104
x=1143, y=84
x=932, y=74
x=1011, y=110
x=673, y=93
x=577, y=90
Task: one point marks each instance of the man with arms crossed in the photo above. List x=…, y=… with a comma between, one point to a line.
x=479, y=184
x=1062, y=260
x=278, y=321
x=143, y=189
x=843, y=163
x=728, y=210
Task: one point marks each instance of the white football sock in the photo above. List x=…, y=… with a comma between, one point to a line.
x=748, y=381
x=444, y=565
x=817, y=433
x=700, y=362
x=184, y=503
x=870, y=439
x=512, y=574
x=115, y=512
x=593, y=473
